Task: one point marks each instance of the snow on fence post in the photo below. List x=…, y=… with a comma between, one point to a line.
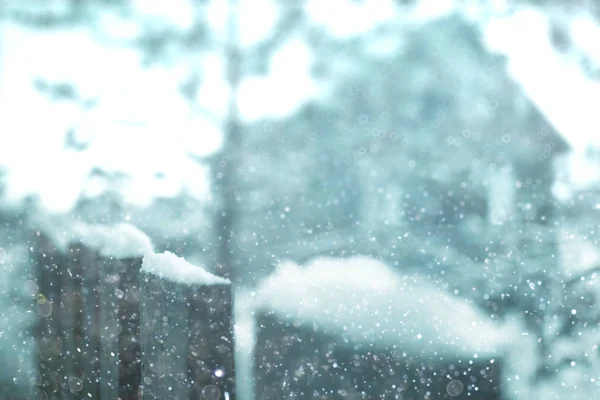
x=186, y=331
x=360, y=329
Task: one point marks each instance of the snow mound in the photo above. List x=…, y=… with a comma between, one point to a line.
x=177, y=269
x=364, y=301
x=118, y=241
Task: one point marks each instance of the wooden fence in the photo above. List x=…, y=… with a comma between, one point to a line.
x=106, y=330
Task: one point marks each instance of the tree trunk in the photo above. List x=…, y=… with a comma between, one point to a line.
x=225, y=178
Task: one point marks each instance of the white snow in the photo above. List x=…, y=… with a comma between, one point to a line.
x=177, y=269
x=364, y=300
x=141, y=113
x=361, y=300
x=288, y=85
x=585, y=35
x=556, y=85
x=117, y=241
x=121, y=240
x=214, y=92
x=141, y=129
x=257, y=21
x=216, y=15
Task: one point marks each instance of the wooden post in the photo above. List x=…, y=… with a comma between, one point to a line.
x=164, y=338
x=186, y=335
x=211, y=348
x=70, y=286
x=107, y=331
x=90, y=268
x=49, y=339
x=128, y=294
x=297, y=359
x=108, y=303
x=87, y=335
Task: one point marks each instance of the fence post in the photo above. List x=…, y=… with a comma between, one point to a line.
x=88, y=307
x=164, y=339
x=211, y=368
x=89, y=265
x=108, y=303
x=107, y=328
x=186, y=331
x=69, y=290
x=128, y=326
x=53, y=307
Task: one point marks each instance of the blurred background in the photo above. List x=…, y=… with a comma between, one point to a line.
x=453, y=139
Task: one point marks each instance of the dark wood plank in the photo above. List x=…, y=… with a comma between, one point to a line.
x=293, y=359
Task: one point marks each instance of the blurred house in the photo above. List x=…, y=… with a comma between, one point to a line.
x=434, y=141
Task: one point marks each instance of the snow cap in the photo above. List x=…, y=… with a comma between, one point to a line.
x=169, y=266
x=365, y=301
x=119, y=241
